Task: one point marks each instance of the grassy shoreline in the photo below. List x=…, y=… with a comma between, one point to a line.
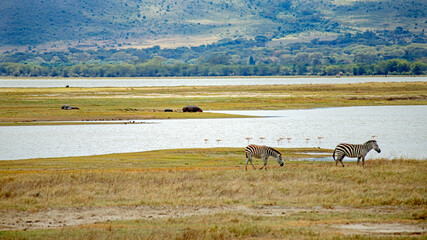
x=205, y=193
x=209, y=162
x=31, y=105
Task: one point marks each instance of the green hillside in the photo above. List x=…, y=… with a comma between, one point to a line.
x=144, y=38
x=59, y=24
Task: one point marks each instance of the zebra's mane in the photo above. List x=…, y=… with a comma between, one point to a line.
x=274, y=150
x=371, y=141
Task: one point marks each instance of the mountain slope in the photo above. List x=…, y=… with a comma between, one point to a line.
x=53, y=24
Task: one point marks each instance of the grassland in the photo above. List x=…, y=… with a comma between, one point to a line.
x=18, y=105
x=206, y=194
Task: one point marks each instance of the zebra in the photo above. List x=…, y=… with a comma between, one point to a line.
x=261, y=152
x=354, y=150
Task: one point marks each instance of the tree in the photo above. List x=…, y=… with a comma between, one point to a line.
x=300, y=68
x=418, y=68
x=365, y=54
x=332, y=70
x=302, y=58
x=251, y=60
x=219, y=58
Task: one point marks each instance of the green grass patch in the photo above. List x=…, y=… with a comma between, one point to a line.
x=35, y=104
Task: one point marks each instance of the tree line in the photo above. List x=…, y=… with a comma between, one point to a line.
x=160, y=69
x=367, y=53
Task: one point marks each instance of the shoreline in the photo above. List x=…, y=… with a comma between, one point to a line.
x=27, y=105
x=214, y=77
x=172, y=191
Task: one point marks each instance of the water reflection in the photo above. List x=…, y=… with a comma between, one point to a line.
x=400, y=131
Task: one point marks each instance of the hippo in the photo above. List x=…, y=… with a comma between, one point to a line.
x=191, y=108
x=67, y=107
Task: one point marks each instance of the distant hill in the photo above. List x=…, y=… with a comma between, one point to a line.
x=93, y=24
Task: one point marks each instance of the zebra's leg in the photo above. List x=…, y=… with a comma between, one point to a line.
x=247, y=160
x=265, y=164
x=337, y=159
x=252, y=164
x=340, y=159
x=358, y=160
x=363, y=162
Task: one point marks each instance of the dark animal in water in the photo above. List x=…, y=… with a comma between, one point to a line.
x=168, y=110
x=191, y=108
x=67, y=107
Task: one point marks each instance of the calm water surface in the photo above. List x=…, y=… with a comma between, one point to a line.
x=401, y=131
x=151, y=82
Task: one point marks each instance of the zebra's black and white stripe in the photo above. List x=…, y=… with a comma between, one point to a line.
x=354, y=150
x=261, y=152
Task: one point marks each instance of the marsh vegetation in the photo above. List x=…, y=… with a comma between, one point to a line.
x=35, y=104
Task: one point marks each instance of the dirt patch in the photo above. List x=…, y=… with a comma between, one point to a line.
x=389, y=98
x=56, y=218
x=383, y=228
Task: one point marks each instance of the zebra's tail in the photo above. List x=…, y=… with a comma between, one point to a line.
x=333, y=154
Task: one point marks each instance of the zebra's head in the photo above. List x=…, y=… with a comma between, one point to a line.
x=279, y=159
x=374, y=145
x=277, y=155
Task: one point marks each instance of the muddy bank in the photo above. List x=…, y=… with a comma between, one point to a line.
x=57, y=218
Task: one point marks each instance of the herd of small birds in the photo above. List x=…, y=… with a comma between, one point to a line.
x=279, y=140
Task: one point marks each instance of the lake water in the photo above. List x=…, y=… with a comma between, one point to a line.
x=401, y=131
x=154, y=82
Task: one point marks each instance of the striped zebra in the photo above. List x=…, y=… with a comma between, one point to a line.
x=261, y=152
x=354, y=150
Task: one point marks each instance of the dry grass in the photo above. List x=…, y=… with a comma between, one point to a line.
x=203, y=177
x=306, y=225
x=27, y=105
x=295, y=184
x=386, y=191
